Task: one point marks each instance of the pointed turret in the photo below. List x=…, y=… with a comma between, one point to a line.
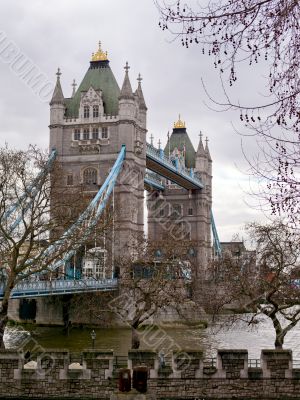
x=209, y=164
x=201, y=157
x=207, y=150
x=142, y=111
x=128, y=107
x=57, y=97
x=200, y=149
x=126, y=91
x=139, y=92
x=57, y=103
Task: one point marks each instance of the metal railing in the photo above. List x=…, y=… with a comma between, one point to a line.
x=254, y=362
x=154, y=180
x=296, y=364
x=54, y=287
x=209, y=362
x=159, y=156
x=120, y=362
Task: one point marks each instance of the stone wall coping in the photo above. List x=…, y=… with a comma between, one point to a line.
x=274, y=352
x=96, y=354
x=234, y=351
x=11, y=354
x=58, y=351
x=188, y=351
x=143, y=353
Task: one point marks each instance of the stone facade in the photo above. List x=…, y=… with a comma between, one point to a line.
x=88, y=131
x=177, y=213
x=92, y=374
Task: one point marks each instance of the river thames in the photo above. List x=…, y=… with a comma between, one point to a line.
x=166, y=338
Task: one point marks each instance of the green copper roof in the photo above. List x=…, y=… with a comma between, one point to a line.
x=99, y=76
x=179, y=139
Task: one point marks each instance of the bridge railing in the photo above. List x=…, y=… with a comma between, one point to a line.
x=53, y=286
x=159, y=155
x=154, y=179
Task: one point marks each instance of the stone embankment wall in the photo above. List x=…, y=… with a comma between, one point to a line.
x=93, y=374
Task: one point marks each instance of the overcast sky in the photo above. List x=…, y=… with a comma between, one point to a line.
x=64, y=33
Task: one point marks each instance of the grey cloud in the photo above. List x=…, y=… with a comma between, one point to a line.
x=65, y=33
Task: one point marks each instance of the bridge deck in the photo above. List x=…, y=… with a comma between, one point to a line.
x=157, y=162
x=153, y=181
x=59, y=287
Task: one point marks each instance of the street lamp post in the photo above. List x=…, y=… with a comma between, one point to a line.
x=93, y=336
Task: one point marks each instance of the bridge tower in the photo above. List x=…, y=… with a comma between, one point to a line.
x=88, y=130
x=177, y=213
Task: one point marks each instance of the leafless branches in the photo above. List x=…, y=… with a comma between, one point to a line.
x=35, y=210
x=154, y=276
x=264, y=283
x=235, y=33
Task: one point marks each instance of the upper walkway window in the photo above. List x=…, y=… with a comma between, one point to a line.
x=95, y=133
x=86, y=112
x=76, y=134
x=86, y=134
x=95, y=111
x=90, y=176
x=104, y=133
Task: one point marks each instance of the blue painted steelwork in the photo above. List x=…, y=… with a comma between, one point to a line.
x=32, y=190
x=59, y=287
x=88, y=219
x=72, y=273
x=158, y=158
x=217, y=245
x=153, y=180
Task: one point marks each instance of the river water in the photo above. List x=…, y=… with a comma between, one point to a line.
x=118, y=339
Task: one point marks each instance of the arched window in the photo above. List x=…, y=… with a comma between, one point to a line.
x=95, y=111
x=76, y=134
x=105, y=133
x=90, y=176
x=176, y=211
x=95, y=133
x=86, y=112
x=86, y=134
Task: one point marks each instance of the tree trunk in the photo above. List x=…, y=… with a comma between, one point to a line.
x=135, y=340
x=279, y=340
x=3, y=321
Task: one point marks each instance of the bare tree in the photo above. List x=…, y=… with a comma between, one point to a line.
x=260, y=283
x=235, y=33
x=154, y=276
x=35, y=209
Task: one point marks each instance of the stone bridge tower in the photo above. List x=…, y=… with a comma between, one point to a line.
x=88, y=130
x=189, y=211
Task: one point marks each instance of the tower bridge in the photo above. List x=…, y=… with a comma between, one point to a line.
x=88, y=131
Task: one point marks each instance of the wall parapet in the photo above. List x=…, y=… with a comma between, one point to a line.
x=187, y=375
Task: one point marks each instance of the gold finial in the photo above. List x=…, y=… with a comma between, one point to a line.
x=100, y=55
x=179, y=123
